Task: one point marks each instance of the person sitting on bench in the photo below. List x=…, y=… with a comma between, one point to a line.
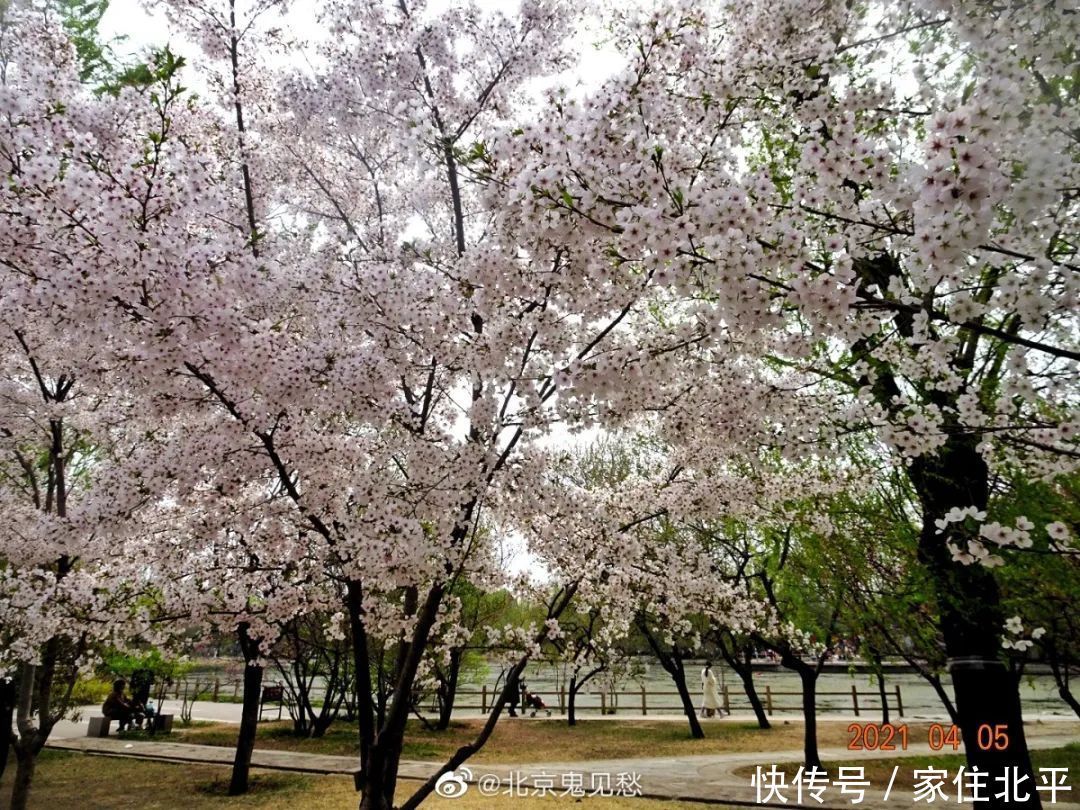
x=119, y=708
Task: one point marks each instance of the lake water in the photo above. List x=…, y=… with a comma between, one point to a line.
x=919, y=700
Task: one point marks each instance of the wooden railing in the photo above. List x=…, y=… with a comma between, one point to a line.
x=214, y=690
x=636, y=700
x=639, y=700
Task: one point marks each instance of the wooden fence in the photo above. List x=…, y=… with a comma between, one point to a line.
x=636, y=700
x=773, y=701
x=214, y=690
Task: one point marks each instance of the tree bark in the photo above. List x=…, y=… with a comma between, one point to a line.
x=946, y=701
x=380, y=776
x=571, y=701
x=880, y=672
x=249, y=717
x=744, y=668
x=449, y=687
x=365, y=700
x=673, y=664
x=987, y=696
x=808, y=676
x=1061, y=678
x=7, y=717
x=746, y=675
x=678, y=674
x=25, y=763
x=35, y=686
x=1070, y=699
x=555, y=609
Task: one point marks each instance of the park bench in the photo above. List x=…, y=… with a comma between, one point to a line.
x=272, y=694
x=100, y=725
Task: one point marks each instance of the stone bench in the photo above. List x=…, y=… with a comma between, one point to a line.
x=99, y=726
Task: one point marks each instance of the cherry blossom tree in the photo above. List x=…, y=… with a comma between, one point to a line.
x=72, y=559
x=385, y=344
x=878, y=198
x=333, y=313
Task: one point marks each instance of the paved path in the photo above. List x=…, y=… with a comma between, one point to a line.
x=705, y=778
x=167, y=751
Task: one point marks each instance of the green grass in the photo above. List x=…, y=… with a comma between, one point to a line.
x=519, y=741
x=66, y=780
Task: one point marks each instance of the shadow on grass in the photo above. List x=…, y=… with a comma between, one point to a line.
x=260, y=784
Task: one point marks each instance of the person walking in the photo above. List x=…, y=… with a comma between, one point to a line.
x=710, y=697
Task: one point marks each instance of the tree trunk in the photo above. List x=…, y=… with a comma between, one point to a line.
x=672, y=663
x=8, y=694
x=25, y=762
x=1070, y=699
x=379, y=779
x=808, y=676
x=571, y=701
x=365, y=699
x=35, y=694
x=678, y=674
x=1061, y=678
x=449, y=690
x=249, y=717
x=374, y=795
x=943, y=696
x=987, y=696
x=880, y=672
x=746, y=675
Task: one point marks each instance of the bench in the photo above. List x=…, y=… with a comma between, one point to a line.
x=272, y=694
x=99, y=726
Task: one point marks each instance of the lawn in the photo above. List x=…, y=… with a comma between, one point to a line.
x=519, y=741
x=66, y=780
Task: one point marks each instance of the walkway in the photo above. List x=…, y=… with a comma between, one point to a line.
x=707, y=778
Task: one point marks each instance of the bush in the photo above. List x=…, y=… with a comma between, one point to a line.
x=89, y=691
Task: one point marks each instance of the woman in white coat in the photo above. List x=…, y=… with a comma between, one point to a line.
x=710, y=698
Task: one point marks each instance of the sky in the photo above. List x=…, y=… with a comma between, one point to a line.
x=142, y=23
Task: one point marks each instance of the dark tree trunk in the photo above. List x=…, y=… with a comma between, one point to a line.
x=249, y=716
x=577, y=683
x=448, y=689
x=7, y=717
x=1061, y=678
x=678, y=674
x=879, y=670
x=365, y=703
x=35, y=691
x=571, y=701
x=971, y=617
x=746, y=675
x=25, y=762
x=1070, y=699
x=884, y=700
x=943, y=696
x=672, y=663
x=808, y=676
x=926, y=672
x=379, y=779
x=740, y=657
x=555, y=609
